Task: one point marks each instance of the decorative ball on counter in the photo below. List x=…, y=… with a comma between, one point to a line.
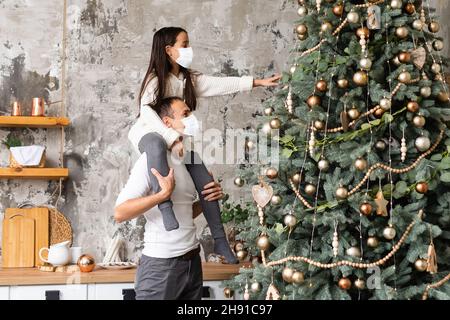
x=298, y=277
x=86, y=263
x=353, y=252
x=255, y=287
x=290, y=220
x=372, y=242
x=275, y=123
x=423, y=143
x=413, y=106
x=353, y=113
x=343, y=83
x=228, y=292
x=360, y=284
x=422, y=187
x=239, y=182
x=419, y=121
x=322, y=85
x=263, y=242
x=272, y=173
x=342, y=193
x=276, y=200
x=287, y=274
x=421, y=265
x=389, y=233
x=366, y=209
x=361, y=164
x=345, y=284
x=360, y=78
x=310, y=189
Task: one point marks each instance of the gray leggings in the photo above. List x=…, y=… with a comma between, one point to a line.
x=156, y=148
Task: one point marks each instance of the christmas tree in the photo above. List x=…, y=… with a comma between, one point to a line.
x=359, y=206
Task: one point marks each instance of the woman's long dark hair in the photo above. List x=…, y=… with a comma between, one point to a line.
x=160, y=67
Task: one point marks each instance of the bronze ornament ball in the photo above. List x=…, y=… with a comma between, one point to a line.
x=422, y=187
x=287, y=274
x=360, y=78
x=319, y=125
x=366, y=209
x=343, y=83
x=413, y=106
x=338, y=10
x=419, y=121
x=275, y=123
x=434, y=27
x=372, y=242
x=298, y=277
x=272, y=173
x=345, y=284
x=314, y=101
x=401, y=32
x=310, y=189
x=421, y=265
x=86, y=263
x=228, y=293
x=361, y=164
x=263, y=242
x=404, y=57
x=321, y=86
x=353, y=113
x=342, y=193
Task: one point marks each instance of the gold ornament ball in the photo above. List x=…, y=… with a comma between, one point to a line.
x=86, y=263
x=343, y=83
x=421, y=265
x=413, y=106
x=323, y=165
x=275, y=123
x=268, y=111
x=360, y=78
x=404, y=77
x=361, y=164
x=326, y=26
x=263, y=242
x=396, y=4
x=321, y=86
x=366, y=209
x=438, y=45
x=241, y=255
x=228, y=293
x=434, y=27
x=365, y=63
x=363, y=31
x=342, y=193
x=255, y=287
x=297, y=178
x=275, y=200
x=353, y=17
x=389, y=233
x=272, y=173
x=418, y=25
x=239, y=182
x=404, y=57
x=287, y=274
x=419, y=121
x=338, y=10
x=310, y=189
x=319, y=125
x=372, y=242
x=314, y=101
x=238, y=246
x=385, y=104
x=302, y=11
x=353, y=113
x=302, y=37
x=353, y=252
x=436, y=68
x=298, y=277
x=302, y=29
x=443, y=97
x=345, y=284
x=290, y=220
x=425, y=92
x=410, y=8
x=401, y=32
x=422, y=187
x=360, y=284
x=380, y=145
x=423, y=143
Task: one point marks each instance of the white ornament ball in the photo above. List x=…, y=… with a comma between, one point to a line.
x=389, y=233
x=353, y=17
x=396, y=4
x=302, y=11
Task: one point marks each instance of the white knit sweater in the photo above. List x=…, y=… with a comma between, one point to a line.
x=205, y=86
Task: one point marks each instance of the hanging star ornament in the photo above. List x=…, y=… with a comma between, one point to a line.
x=381, y=203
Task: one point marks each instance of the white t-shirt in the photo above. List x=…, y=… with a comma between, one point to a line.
x=158, y=242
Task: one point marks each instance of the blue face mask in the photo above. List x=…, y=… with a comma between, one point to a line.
x=186, y=57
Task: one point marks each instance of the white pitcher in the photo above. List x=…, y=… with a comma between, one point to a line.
x=58, y=254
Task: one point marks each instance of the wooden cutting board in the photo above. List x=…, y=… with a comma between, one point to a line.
x=42, y=235
x=18, y=241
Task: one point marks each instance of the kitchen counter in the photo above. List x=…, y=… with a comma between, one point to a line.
x=33, y=276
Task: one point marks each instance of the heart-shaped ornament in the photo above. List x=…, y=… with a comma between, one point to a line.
x=262, y=193
x=418, y=57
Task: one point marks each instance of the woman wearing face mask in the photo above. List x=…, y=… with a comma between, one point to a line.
x=168, y=74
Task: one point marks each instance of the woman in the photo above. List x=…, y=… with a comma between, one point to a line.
x=168, y=74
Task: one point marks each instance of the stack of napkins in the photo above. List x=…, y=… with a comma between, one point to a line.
x=28, y=156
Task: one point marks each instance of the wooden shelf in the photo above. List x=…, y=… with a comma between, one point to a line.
x=34, y=173
x=33, y=122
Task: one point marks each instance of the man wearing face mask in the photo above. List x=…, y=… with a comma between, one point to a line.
x=170, y=266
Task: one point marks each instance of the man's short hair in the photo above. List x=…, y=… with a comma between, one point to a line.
x=164, y=107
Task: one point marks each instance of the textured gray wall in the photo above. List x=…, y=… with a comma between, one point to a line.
x=108, y=50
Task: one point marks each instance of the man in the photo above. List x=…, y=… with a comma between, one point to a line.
x=170, y=266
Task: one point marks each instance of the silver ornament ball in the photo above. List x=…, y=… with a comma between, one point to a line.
x=290, y=220
x=423, y=143
x=425, y=92
x=353, y=17
x=385, y=103
x=365, y=63
x=353, y=252
x=324, y=165
x=396, y=4
x=389, y=233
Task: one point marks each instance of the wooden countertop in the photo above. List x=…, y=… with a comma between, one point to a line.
x=33, y=276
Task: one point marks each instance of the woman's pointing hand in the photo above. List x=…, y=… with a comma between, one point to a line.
x=268, y=82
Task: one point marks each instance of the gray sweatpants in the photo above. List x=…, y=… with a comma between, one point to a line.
x=169, y=279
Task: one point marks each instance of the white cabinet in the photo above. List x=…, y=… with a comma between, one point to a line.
x=108, y=291
x=4, y=293
x=50, y=292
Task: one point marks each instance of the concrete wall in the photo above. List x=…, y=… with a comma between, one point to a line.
x=108, y=46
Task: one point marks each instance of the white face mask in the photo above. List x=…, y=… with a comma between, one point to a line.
x=191, y=126
x=186, y=57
